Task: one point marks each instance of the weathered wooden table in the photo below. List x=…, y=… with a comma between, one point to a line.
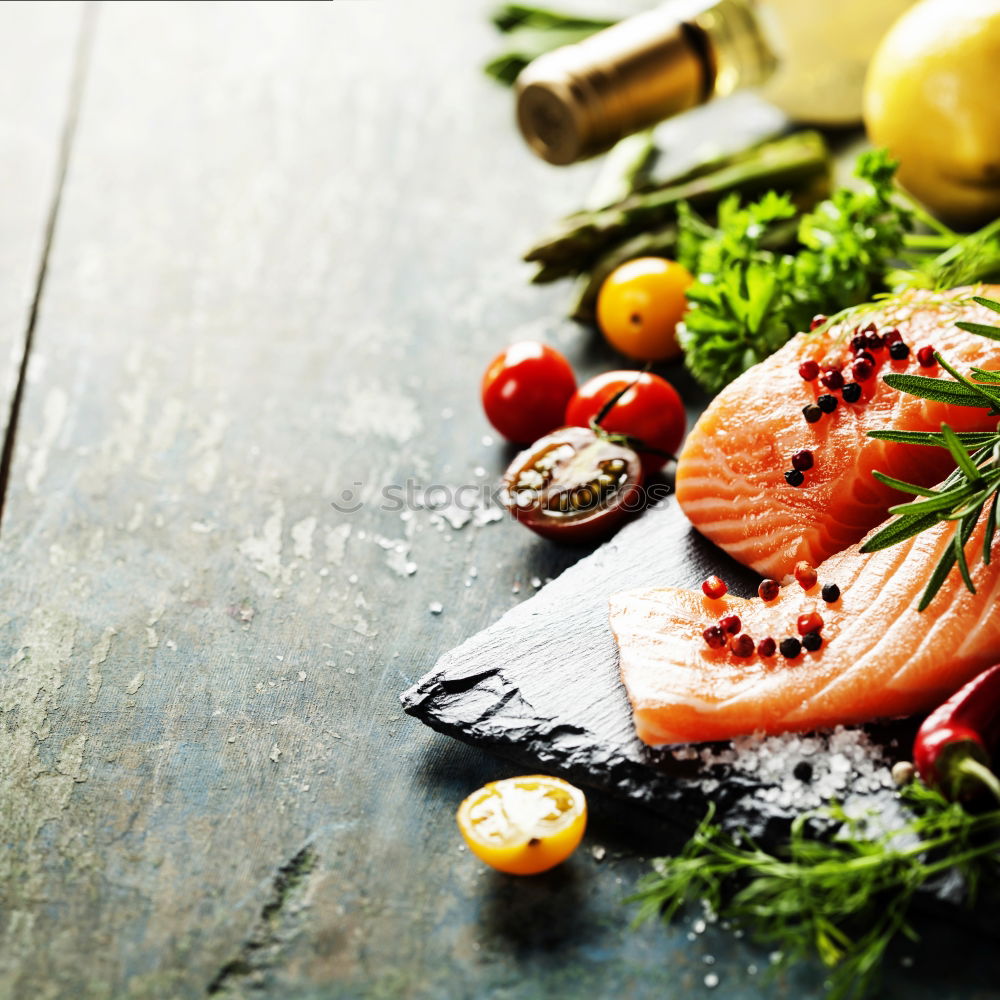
x=252, y=261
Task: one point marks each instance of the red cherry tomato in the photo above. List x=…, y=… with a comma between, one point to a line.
x=525, y=391
x=651, y=411
x=573, y=486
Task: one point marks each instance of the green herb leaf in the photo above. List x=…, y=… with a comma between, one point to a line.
x=930, y=438
x=958, y=452
x=935, y=389
x=841, y=896
x=981, y=328
x=903, y=487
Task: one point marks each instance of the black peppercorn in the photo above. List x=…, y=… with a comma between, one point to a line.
x=803, y=771
x=898, y=351
x=831, y=593
x=851, y=392
x=827, y=403
x=812, y=413
x=790, y=648
x=812, y=641
x=794, y=478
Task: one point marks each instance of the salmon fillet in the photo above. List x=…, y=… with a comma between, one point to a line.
x=880, y=656
x=730, y=473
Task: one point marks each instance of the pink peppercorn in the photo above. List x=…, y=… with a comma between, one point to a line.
x=768, y=590
x=742, y=645
x=730, y=624
x=926, y=357
x=767, y=647
x=891, y=337
x=715, y=637
x=809, y=623
x=832, y=378
x=805, y=574
x=802, y=460
x=714, y=588
x=862, y=370
x=818, y=320
x=809, y=370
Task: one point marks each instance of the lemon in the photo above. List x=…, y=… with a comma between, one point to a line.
x=932, y=96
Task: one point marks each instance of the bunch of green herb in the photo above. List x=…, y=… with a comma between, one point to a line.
x=974, y=483
x=748, y=299
x=840, y=897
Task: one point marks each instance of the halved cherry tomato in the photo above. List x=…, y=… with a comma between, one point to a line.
x=651, y=412
x=525, y=390
x=524, y=826
x=639, y=306
x=573, y=486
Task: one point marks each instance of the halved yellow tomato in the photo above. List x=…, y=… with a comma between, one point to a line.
x=525, y=825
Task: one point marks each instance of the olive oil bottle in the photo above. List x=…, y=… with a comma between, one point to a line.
x=807, y=56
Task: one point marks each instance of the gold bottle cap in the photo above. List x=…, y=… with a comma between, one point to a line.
x=581, y=99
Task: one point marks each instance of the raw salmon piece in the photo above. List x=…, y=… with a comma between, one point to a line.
x=731, y=472
x=880, y=656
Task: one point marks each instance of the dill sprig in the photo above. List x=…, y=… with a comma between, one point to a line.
x=974, y=484
x=841, y=896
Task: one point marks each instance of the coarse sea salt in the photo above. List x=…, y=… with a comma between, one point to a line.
x=799, y=772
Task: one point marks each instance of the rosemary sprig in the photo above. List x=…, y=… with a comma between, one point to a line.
x=974, y=483
x=841, y=897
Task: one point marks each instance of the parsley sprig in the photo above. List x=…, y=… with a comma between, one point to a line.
x=748, y=298
x=974, y=484
x=839, y=895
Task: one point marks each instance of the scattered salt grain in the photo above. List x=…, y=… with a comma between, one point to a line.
x=487, y=441
x=536, y=582
x=435, y=607
x=598, y=853
x=711, y=980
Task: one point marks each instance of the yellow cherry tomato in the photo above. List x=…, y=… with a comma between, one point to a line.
x=639, y=306
x=523, y=826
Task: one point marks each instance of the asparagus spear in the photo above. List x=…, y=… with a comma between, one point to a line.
x=624, y=170
x=531, y=32
x=656, y=243
x=584, y=236
x=661, y=243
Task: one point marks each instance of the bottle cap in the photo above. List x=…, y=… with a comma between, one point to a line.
x=579, y=100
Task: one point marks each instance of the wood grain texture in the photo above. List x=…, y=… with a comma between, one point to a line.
x=288, y=244
x=38, y=50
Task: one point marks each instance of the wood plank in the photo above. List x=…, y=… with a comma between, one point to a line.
x=38, y=53
x=239, y=288
x=288, y=244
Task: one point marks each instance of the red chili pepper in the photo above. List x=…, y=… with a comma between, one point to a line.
x=954, y=746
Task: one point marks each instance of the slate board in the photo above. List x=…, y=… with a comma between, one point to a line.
x=541, y=686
